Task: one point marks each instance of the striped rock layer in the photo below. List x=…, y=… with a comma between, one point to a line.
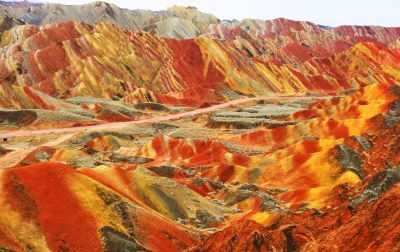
x=104, y=60
x=289, y=41
x=326, y=180
x=318, y=185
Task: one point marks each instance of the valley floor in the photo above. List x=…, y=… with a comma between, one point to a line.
x=285, y=173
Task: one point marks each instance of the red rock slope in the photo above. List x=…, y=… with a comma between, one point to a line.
x=328, y=181
x=52, y=207
x=71, y=59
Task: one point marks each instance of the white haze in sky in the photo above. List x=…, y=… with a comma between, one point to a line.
x=326, y=12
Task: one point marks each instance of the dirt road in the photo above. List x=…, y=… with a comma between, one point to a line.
x=155, y=119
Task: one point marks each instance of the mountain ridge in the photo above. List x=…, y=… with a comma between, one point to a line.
x=68, y=59
x=190, y=19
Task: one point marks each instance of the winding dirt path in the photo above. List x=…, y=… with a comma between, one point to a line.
x=155, y=119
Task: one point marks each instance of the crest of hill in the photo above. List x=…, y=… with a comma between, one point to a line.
x=187, y=22
x=178, y=22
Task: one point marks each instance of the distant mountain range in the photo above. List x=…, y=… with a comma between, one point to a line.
x=175, y=22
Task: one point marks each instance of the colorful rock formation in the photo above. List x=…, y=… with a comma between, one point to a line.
x=310, y=163
x=70, y=59
x=316, y=184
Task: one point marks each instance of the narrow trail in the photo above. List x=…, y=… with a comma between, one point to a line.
x=21, y=133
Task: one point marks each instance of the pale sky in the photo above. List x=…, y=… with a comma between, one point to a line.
x=325, y=12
